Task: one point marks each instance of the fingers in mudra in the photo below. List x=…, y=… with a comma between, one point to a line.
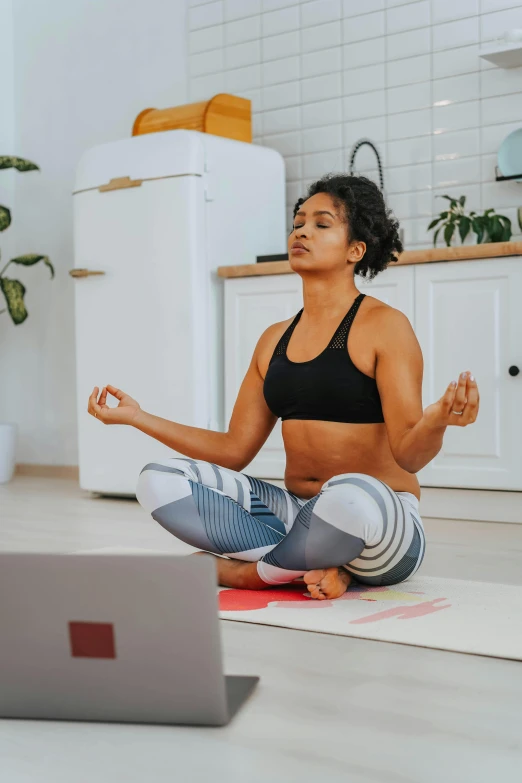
x=462, y=400
x=98, y=403
x=124, y=413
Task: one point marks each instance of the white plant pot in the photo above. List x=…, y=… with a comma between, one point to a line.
x=8, y=438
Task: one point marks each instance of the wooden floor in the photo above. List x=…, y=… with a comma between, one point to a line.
x=327, y=708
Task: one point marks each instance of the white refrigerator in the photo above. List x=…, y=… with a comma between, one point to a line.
x=154, y=216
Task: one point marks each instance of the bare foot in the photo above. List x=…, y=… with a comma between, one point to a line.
x=236, y=573
x=326, y=583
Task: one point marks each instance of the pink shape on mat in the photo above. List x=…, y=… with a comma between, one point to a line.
x=404, y=612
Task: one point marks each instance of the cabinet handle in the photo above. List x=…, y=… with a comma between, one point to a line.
x=513, y=370
x=83, y=273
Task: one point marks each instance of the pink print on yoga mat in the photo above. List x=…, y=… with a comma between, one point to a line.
x=404, y=612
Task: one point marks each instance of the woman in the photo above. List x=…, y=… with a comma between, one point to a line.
x=345, y=376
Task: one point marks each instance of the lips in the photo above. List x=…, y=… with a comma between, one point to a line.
x=299, y=246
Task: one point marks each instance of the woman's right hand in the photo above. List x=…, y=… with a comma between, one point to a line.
x=124, y=413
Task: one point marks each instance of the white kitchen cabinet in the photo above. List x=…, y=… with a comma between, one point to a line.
x=254, y=303
x=468, y=317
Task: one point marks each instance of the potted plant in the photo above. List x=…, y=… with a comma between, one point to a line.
x=13, y=292
x=488, y=227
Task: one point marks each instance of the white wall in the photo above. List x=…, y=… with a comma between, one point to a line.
x=82, y=72
x=323, y=73
x=6, y=127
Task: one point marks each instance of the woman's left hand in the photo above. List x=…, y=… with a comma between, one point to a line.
x=458, y=406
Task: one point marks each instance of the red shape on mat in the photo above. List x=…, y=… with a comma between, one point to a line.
x=245, y=600
x=92, y=640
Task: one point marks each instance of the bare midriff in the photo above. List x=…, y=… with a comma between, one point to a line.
x=340, y=448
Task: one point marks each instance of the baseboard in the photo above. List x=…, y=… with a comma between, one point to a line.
x=48, y=471
x=477, y=505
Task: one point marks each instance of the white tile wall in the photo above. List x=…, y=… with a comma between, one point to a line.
x=371, y=77
x=361, y=28
x=323, y=36
x=408, y=71
x=322, y=74
x=248, y=29
x=408, y=17
x=447, y=10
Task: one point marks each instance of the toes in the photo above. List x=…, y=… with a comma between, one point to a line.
x=315, y=592
x=313, y=577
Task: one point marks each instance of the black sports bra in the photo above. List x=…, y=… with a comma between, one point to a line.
x=327, y=388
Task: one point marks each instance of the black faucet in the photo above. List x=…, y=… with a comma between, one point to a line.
x=355, y=149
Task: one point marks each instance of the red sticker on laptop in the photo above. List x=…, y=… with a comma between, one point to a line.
x=92, y=640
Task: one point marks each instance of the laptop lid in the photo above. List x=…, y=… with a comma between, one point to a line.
x=112, y=638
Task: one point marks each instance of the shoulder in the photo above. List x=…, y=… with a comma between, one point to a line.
x=392, y=333
x=386, y=322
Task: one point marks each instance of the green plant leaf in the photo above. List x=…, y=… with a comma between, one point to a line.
x=462, y=200
x=14, y=292
x=31, y=259
x=496, y=231
x=507, y=232
x=20, y=164
x=448, y=233
x=434, y=222
x=464, y=227
x=486, y=222
x=447, y=197
x=5, y=218
x=488, y=211
x=477, y=224
x=435, y=236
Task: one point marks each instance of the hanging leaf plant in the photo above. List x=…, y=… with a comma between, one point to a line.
x=488, y=227
x=14, y=290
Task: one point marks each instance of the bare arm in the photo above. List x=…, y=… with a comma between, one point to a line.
x=250, y=424
x=415, y=436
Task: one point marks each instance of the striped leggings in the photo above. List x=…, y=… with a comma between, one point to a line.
x=355, y=521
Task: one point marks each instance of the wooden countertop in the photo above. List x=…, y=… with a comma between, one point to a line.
x=465, y=253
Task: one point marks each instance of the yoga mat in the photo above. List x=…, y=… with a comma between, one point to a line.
x=445, y=614
x=479, y=618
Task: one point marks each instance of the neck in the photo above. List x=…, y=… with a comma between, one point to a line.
x=323, y=299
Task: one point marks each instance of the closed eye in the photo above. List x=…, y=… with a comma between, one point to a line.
x=319, y=225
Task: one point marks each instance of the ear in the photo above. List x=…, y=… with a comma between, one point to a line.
x=356, y=251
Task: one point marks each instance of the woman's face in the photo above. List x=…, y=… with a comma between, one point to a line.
x=321, y=228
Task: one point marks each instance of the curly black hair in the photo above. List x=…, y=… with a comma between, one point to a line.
x=367, y=216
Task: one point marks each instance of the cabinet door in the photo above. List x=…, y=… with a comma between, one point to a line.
x=468, y=317
x=252, y=304
x=395, y=287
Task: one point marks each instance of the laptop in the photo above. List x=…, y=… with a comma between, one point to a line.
x=98, y=637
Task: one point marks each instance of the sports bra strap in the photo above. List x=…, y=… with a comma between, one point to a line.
x=340, y=338
x=281, y=346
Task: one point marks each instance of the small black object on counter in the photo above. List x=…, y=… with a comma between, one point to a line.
x=277, y=257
